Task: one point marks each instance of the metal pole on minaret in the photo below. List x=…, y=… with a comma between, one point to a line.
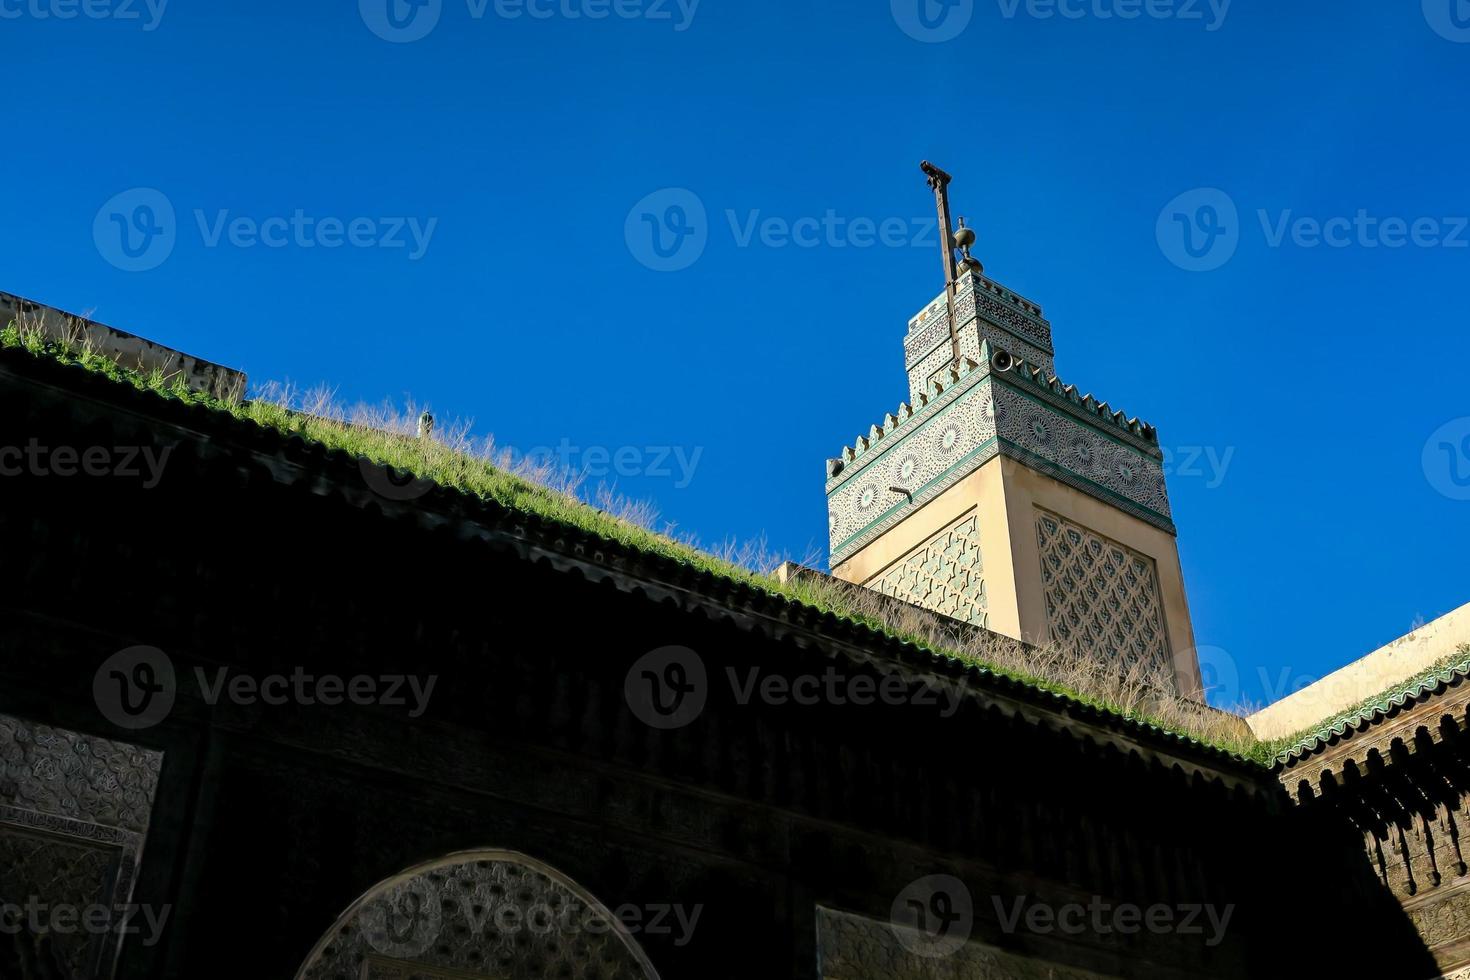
x=939, y=184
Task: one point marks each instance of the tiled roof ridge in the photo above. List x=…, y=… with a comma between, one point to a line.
x=587, y=547
x=1413, y=690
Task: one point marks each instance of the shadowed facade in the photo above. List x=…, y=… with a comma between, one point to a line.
x=803, y=833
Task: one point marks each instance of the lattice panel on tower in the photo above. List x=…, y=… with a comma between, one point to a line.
x=1101, y=597
x=944, y=574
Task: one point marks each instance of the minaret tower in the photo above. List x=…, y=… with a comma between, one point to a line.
x=999, y=496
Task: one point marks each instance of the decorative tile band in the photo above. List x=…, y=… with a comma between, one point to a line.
x=973, y=336
x=995, y=302
x=1023, y=377
x=975, y=421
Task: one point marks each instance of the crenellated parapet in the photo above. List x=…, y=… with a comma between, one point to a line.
x=1020, y=372
x=998, y=405
x=896, y=420
x=1067, y=396
x=999, y=495
x=984, y=311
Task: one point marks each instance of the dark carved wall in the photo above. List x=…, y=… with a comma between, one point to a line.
x=785, y=825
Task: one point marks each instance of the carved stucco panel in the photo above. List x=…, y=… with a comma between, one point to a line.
x=74, y=813
x=944, y=574
x=1102, y=597
x=852, y=947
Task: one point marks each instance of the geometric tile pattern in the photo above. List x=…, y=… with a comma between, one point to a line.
x=944, y=575
x=1062, y=440
x=984, y=311
x=975, y=419
x=1102, y=598
x=863, y=502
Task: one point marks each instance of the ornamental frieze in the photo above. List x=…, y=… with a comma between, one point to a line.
x=986, y=420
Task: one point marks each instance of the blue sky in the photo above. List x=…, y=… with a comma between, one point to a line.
x=455, y=216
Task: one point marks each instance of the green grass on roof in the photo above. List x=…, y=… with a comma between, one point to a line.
x=474, y=474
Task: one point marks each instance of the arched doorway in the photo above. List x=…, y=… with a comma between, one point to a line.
x=477, y=914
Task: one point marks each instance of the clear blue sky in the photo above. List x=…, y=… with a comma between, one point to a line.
x=1317, y=374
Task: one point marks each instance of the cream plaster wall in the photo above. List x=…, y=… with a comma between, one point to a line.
x=1026, y=491
x=980, y=491
x=1362, y=679
x=1006, y=495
